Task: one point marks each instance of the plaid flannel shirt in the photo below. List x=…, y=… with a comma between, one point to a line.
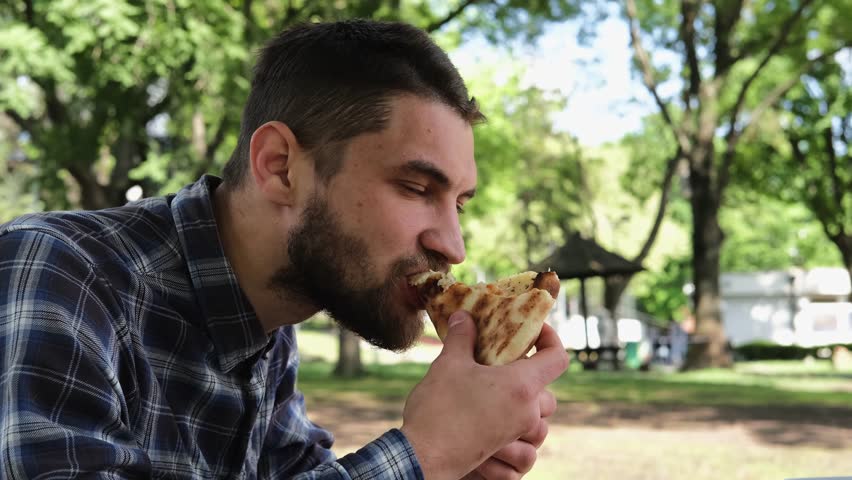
x=128, y=350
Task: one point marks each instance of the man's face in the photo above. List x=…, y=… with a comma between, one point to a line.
x=389, y=213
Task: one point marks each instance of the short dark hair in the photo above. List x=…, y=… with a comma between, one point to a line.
x=330, y=82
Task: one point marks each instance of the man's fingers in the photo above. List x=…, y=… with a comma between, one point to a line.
x=536, y=436
x=550, y=359
x=519, y=455
x=474, y=475
x=461, y=335
x=546, y=403
x=548, y=339
x=494, y=469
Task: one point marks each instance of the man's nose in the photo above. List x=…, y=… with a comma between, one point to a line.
x=446, y=239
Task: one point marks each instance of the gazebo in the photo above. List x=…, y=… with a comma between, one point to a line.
x=582, y=258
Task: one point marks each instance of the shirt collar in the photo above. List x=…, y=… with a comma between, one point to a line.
x=228, y=316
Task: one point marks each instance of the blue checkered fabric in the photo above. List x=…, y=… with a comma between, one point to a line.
x=128, y=350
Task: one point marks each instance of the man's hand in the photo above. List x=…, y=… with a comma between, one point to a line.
x=465, y=416
x=517, y=458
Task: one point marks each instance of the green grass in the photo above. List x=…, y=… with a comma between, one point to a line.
x=749, y=384
x=382, y=382
x=770, y=383
x=729, y=447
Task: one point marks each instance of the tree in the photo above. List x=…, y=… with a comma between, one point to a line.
x=14, y=198
x=648, y=155
x=726, y=48
x=112, y=93
x=806, y=148
x=531, y=190
x=87, y=80
x=819, y=136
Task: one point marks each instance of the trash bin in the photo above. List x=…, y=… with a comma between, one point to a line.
x=631, y=356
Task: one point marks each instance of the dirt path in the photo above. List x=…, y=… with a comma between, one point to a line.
x=638, y=442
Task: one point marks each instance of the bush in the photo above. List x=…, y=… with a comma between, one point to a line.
x=762, y=350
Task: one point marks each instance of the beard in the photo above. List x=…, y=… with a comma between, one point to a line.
x=333, y=270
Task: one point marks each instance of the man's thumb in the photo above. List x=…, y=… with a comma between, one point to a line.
x=461, y=334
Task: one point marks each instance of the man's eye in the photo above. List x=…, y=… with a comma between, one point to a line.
x=460, y=209
x=414, y=188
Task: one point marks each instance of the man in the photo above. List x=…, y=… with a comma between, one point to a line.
x=156, y=339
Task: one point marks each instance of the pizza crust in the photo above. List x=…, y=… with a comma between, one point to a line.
x=508, y=314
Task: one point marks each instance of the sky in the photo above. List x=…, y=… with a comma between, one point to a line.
x=605, y=101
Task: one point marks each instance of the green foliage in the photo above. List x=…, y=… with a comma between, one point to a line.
x=650, y=148
x=504, y=21
x=16, y=191
x=530, y=176
x=764, y=233
x=88, y=80
x=661, y=294
x=806, y=158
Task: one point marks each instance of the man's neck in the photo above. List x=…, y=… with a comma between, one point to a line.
x=255, y=250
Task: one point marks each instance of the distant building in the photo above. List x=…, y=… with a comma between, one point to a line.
x=801, y=307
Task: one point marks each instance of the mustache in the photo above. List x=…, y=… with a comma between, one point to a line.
x=420, y=262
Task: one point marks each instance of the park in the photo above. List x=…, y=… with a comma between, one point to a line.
x=683, y=166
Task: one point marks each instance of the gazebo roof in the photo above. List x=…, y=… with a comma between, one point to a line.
x=583, y=258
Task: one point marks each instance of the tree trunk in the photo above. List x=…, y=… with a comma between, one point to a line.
x=709, y=345
x=93, y=196
x=844, y=244
x=349, y=355
x=614, y=287
x=849, y=270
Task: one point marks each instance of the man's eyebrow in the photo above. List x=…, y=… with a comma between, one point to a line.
x=429, y=169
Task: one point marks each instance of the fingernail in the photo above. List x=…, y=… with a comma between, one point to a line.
x=455, y=319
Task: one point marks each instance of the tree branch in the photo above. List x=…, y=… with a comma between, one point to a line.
x=671, y=168
x=26, y=124
x=211, y=148
x=437, y=24
x=782, y=89
x=124, y=151
x=734, y=134
x=726, y=19
x=251, y=24
x=92, y=194
x=812, y=191
x=247, y=12
x=779, y=42
x=836, y=193
x=689, y=10
x=56, y=111
x=648, y=73
x=29, y=13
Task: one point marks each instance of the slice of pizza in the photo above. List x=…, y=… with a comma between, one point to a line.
x=508, y=313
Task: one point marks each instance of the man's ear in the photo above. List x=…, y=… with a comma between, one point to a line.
x=272, y=150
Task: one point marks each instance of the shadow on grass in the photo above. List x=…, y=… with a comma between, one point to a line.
x=844, y=375
x=699, y=389
x=773, y=414
x=822, y=427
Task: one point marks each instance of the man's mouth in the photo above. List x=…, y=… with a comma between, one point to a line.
x=412, y=294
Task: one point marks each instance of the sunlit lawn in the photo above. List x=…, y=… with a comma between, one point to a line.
x=748, y=384
x=588, y=441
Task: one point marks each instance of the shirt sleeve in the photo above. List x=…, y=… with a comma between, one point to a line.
x=307, y=456
x=388, y=457
x=297, y=448
x=63, y=413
